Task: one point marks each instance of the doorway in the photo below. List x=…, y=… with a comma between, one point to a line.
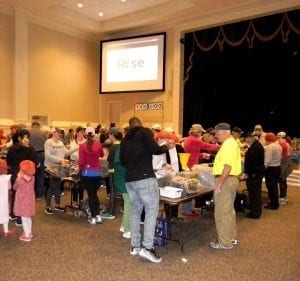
x=114, y=113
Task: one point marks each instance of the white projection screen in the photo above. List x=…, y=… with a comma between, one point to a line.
x=133, y=64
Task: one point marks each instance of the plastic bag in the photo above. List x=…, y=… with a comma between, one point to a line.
x=162, y=231
x=205, y=176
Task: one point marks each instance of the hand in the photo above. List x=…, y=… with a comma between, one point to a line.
x=243, y=177
x=65, y=162
x=206, y=156
x=168, y=167
x=217, y=189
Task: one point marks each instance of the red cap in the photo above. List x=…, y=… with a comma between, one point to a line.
x=27, y=167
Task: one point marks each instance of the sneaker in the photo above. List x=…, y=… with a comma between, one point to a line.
x=48, y=211
x=98, y=219
x=234, y=242
x=29, y=235
x=127, y=235
x=149, y=255
x=24, y=238
x=282, y=201
x=107, y=216
x=92, y=221
x=134, y=251
x=12, y=218
x=18, y=222
x=59, y=208
x=8, y=233
x=121, y=228
x=217, y=245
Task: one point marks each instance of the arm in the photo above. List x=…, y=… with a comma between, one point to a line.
x=268, y=155
x=152, y=145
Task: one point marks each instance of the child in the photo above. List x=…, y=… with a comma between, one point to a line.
x=25, y=198
x=4, y=187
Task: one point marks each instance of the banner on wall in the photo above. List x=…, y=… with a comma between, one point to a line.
x=146, y=106
x=149, y=113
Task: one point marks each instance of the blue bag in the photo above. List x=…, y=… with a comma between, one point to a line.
x=162, y=231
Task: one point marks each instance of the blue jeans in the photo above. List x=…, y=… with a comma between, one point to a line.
x=143, y=193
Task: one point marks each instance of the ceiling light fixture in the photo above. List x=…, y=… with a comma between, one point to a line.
x=100, y=14
x=79, y=5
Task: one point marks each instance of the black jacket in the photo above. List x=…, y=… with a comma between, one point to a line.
x=254, y=160
x=136, y=152
x=15, y=155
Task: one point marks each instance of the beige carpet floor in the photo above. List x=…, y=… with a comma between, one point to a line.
x=68, y=248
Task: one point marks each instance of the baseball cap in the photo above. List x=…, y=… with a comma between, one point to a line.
x=27, y=167
x=249, y=135
x=238, y=130
x=169, y=130
x=113, y=131
x=90, y=131
x=197, y=127
x=281, y=134
x=222, y=126
x=156, y=126
x=55, y=129
x=165, y=135
x=79, y=129
x=210, y=130
x=270, y=137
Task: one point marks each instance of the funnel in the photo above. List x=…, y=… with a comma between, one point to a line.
x=184, y=158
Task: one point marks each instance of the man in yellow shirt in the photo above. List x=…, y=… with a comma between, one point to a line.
x=226, y=169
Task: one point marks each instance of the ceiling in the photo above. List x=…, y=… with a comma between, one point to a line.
x=123, y=16
x=119, y=16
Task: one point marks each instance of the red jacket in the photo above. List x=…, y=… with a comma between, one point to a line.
x=90, y=159
x=193, y=145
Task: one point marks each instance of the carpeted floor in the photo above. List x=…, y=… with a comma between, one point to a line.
x=68, y=248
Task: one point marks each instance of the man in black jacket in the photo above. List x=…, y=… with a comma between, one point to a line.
x=254, y=171
x=136, y=152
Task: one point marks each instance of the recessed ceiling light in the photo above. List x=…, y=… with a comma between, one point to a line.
x=79, y=5
x=100, y=14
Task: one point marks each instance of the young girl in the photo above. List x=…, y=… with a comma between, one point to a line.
x=4, y=187
x=25, y=198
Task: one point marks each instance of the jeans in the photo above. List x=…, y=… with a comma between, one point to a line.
x=53, y=189
x=143, y=193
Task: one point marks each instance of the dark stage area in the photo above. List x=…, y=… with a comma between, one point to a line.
x=244, y=85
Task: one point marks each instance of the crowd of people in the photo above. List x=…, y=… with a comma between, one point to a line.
x=139, y=159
